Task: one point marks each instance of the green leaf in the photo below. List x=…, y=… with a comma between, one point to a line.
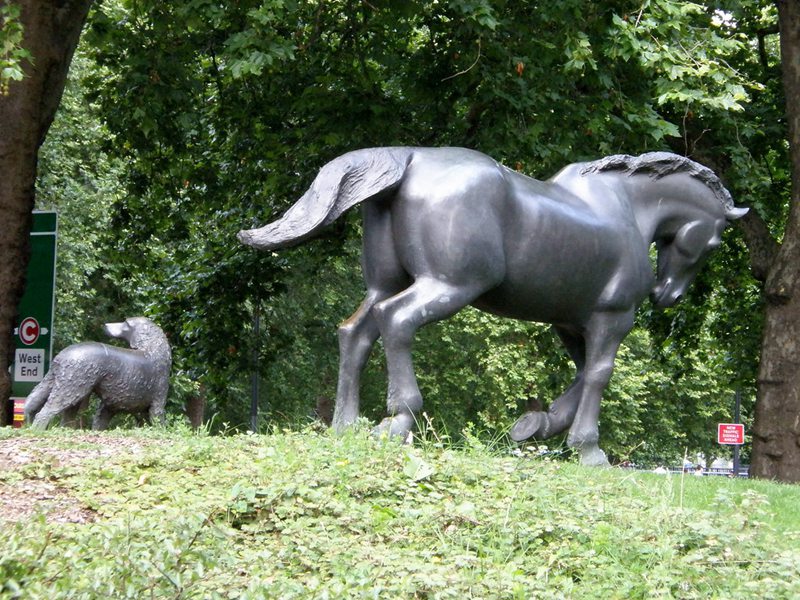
x=416, y=468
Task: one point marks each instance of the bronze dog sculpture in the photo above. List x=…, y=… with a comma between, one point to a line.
x=132, y=380
x=448, y=227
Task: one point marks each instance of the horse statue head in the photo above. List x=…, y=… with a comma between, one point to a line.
x=681, y=206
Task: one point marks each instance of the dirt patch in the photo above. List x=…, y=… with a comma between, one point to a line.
x=28, y=485
x=22, y=501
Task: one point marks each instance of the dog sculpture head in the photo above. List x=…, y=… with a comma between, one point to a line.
x=141, y=334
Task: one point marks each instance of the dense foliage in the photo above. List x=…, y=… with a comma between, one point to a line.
x=80, y=181
x=11, y=50
x=216, y=118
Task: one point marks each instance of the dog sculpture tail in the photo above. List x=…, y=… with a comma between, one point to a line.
x=37, y=398
x=341, y=184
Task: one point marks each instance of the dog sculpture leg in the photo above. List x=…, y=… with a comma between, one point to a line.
x=69, y=418
x=61, y=398
x=37, y=398
x=157, y=414
x=102, y=417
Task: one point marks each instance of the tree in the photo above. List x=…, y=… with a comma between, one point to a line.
x=50, y=32
x=776, y=443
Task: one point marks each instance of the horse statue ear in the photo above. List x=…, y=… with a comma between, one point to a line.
x=735, y=213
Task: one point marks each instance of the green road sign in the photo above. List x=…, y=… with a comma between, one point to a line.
x=33, y=332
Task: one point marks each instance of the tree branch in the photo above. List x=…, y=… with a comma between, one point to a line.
x=762, y=247
x=762, y=50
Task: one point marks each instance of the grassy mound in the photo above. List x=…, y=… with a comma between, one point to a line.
x=169, y=514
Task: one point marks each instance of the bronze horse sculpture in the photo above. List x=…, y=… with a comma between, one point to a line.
x=449, y=227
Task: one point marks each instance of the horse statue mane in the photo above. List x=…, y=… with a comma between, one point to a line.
x=661, y=164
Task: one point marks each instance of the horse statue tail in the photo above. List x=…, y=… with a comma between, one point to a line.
x=341, y=184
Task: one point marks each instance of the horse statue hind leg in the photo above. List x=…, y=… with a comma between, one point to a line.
x=451, y=256
x=427, y=300
x=357, y=335
x=395, y=318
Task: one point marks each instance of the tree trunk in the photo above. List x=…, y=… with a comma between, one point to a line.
x=51, y=32
x=776, y=433
x=196, y=409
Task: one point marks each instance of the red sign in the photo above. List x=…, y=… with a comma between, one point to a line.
x=29, y=331
x=731, y=434
x=19, y=412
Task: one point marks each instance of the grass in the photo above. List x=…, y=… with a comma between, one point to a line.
x=311, y=515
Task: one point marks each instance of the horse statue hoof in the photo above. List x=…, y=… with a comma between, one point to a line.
x=593, y=456
x=398, y=426
x=531, y=424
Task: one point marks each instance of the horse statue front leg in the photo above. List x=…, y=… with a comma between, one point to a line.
x=546, y=424
x=604, y=334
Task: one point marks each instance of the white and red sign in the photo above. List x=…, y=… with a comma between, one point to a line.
x=731, y=434
x=29, y=331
